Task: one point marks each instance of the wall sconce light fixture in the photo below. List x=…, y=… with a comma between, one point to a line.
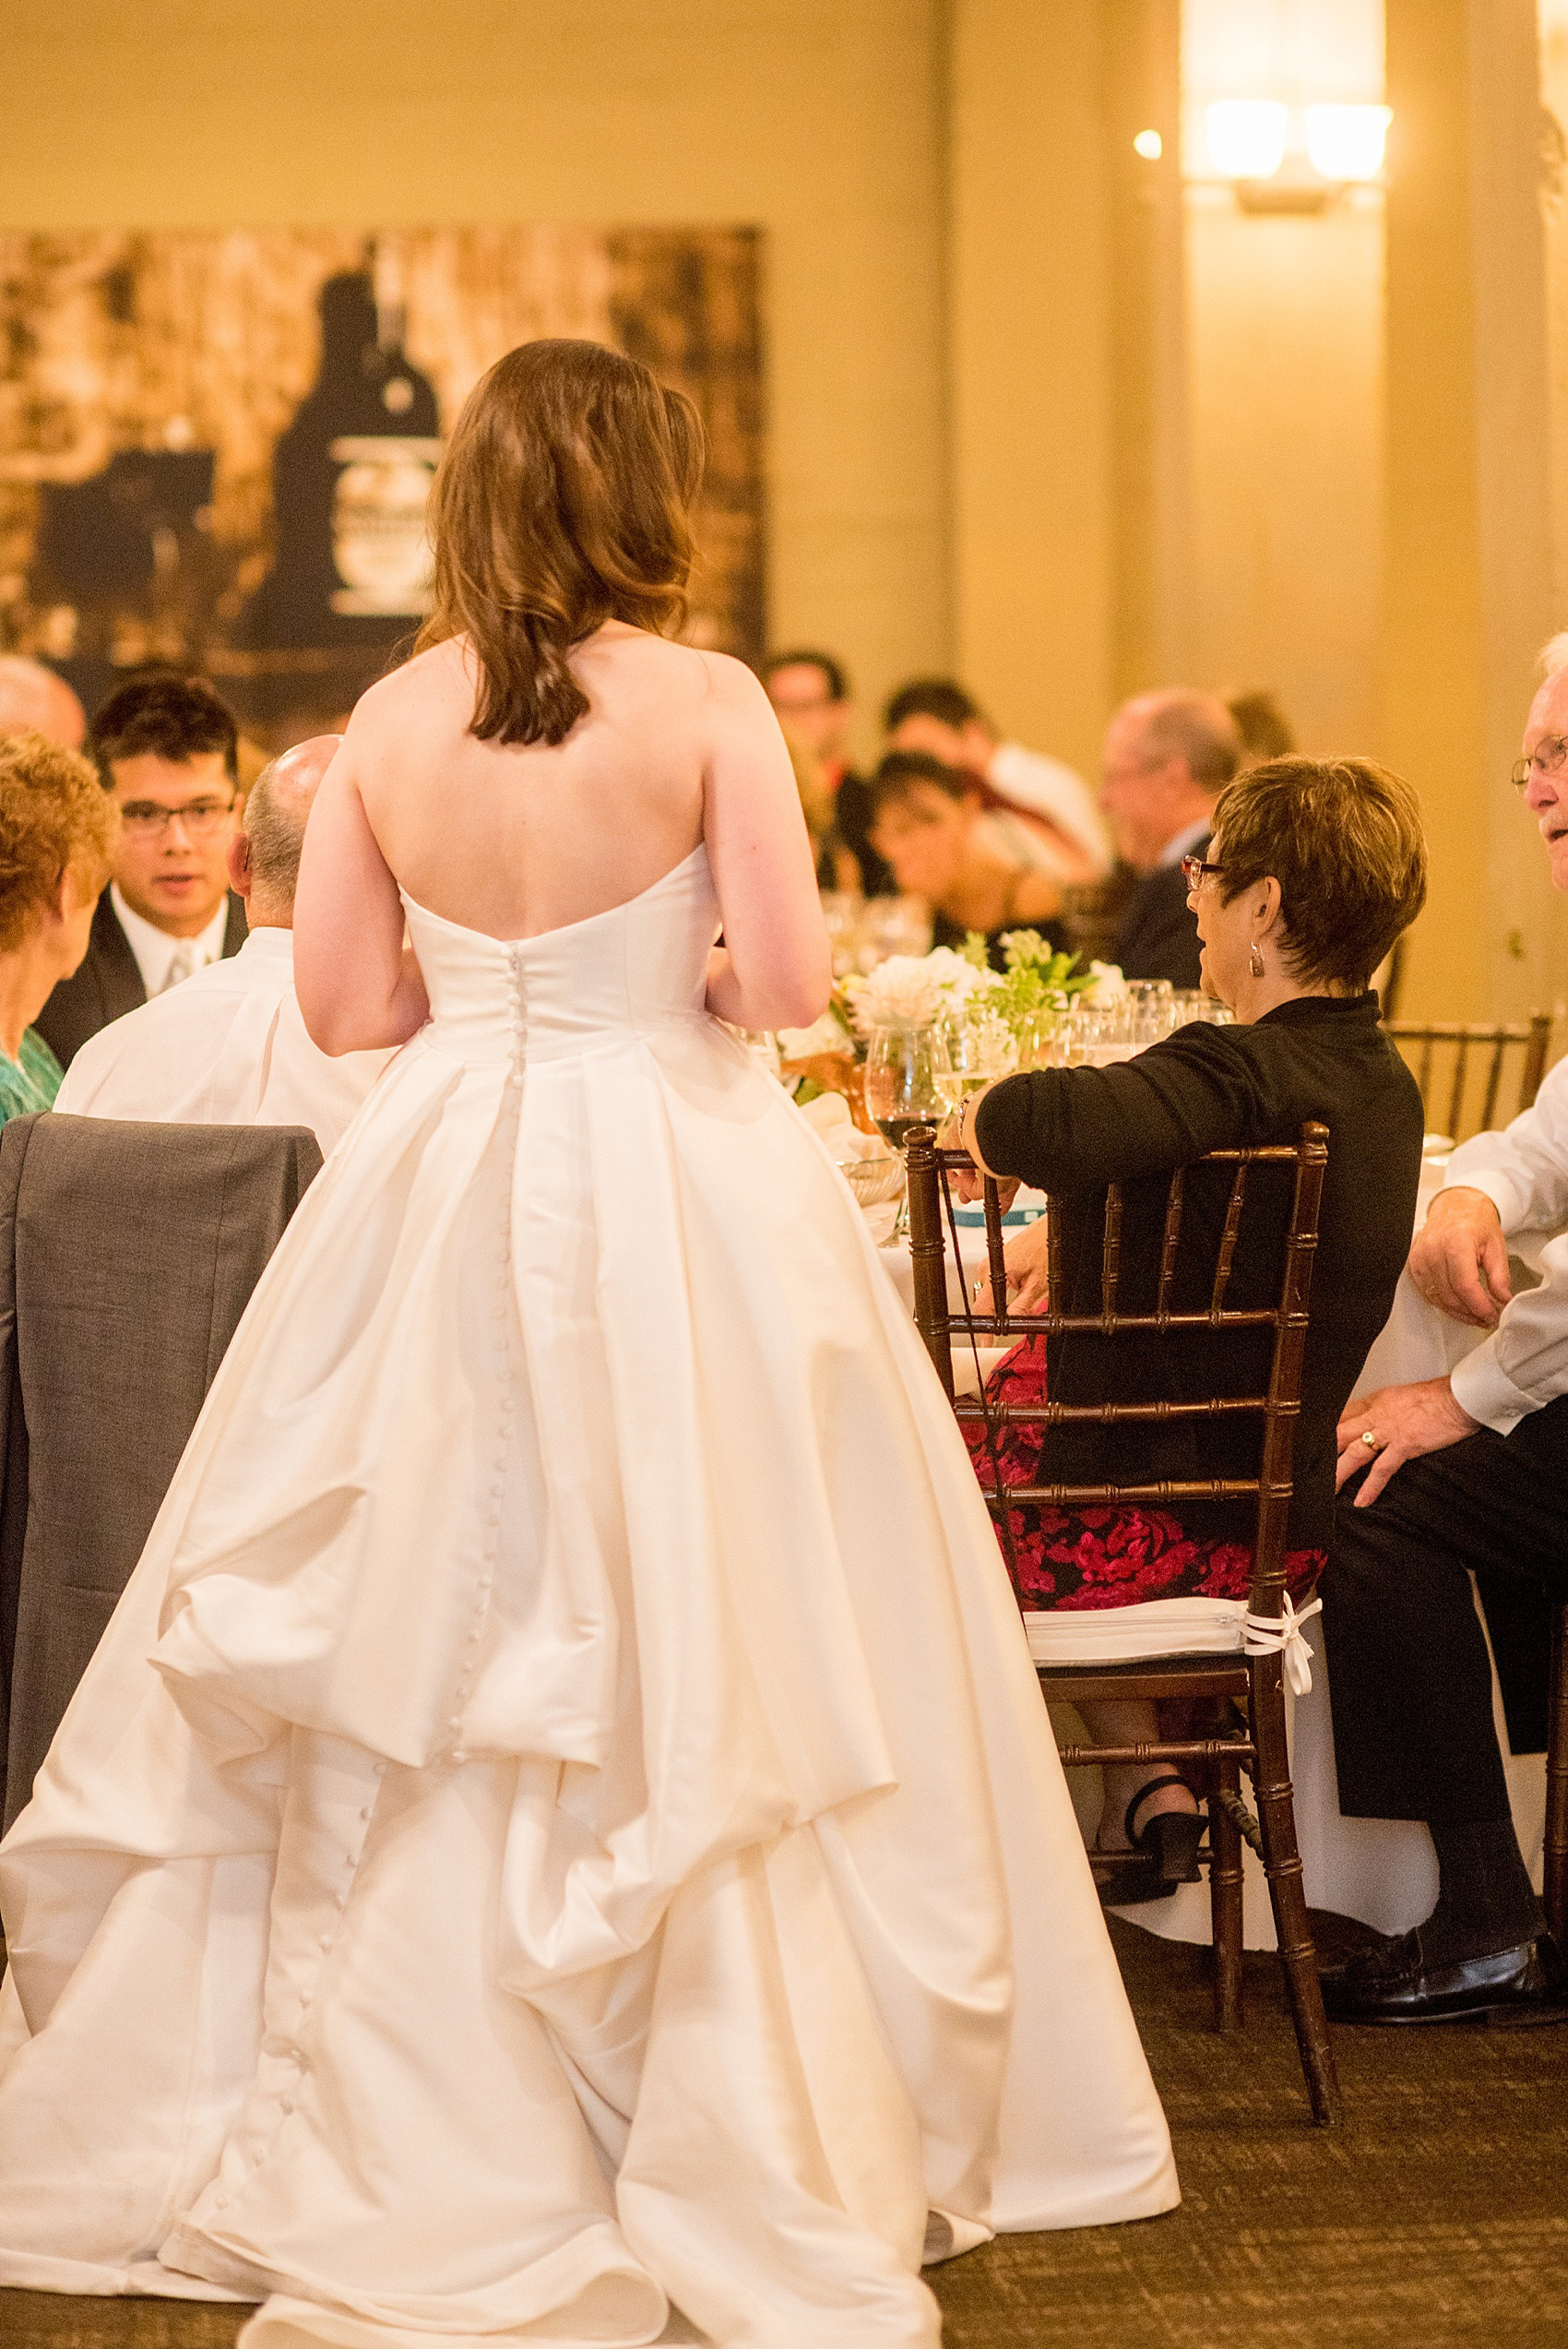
x=1246, y=137
x=1346, y=143
x=1251, y=149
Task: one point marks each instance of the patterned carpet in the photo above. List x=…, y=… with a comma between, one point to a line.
x=1437, y=2218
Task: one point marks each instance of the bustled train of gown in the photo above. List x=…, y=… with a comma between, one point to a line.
x=561, y=1837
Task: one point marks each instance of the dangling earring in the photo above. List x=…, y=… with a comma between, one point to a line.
x=1254, y=960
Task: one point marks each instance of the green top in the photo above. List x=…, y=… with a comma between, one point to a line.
x=31, y=1081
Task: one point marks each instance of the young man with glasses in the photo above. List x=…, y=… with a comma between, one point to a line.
x=166, y=749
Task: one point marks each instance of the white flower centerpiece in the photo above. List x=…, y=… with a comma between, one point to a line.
x=1006, y=1015
x=985, y=1023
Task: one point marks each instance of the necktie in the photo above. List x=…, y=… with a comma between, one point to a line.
x=182, y=963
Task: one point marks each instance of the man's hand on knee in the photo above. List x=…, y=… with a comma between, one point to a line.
x=1459, y=1258
x=1403, y=1423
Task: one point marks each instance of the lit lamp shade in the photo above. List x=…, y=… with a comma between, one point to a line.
x=1246, y=135
x=1346, y=142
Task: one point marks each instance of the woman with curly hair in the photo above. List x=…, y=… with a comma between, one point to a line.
x=56, y=825
x=1313, y=868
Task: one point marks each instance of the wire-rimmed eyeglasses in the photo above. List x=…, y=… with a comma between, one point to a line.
x=1548, y=755
x=1192, y=871
x=201, y=817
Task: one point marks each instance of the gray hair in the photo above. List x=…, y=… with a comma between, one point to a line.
x=276, y=811
x=1184, y=724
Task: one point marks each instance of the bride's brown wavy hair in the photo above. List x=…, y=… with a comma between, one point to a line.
x=564, y=500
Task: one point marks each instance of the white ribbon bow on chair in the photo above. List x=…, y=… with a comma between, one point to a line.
x=1264, y=1635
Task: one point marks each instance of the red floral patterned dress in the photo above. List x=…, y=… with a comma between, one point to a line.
x=1100, y=1557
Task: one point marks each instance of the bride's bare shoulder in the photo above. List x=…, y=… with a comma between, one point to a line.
x=437, y=684
x=679, y=669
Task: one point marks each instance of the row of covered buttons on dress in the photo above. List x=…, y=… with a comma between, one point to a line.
x=328, y=1879
x=502, y=1298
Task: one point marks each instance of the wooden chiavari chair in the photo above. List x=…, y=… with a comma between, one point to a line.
x=1428, y=1044
x=1253, y=1682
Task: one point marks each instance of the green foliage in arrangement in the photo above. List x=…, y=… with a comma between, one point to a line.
x=1036, y=978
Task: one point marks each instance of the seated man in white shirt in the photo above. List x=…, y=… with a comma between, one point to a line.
x=1460, y=1474
x=1042, y=815
x=228, y=1046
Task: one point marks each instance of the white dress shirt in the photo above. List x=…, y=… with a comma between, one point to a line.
x=155, y=949
x=225, y=1047
x=1524, y=1171
x=1040, y=786
x=1181, y=843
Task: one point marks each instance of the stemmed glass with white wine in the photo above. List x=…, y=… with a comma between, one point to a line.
x=910, y=1082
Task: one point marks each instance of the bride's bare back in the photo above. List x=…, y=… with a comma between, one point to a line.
x=517, y=839
x=675, y=747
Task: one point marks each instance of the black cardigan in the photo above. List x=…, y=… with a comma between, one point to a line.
x=1072, y=1131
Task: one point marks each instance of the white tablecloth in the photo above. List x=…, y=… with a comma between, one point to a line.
x=1382, y=1871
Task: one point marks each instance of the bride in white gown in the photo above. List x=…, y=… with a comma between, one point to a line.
x=561, y=1840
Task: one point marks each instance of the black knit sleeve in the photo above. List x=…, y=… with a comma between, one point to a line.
x=1080, y=1128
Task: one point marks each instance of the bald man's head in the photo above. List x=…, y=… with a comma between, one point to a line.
x=33, y=697
x=267, y=855
x=1168, y=755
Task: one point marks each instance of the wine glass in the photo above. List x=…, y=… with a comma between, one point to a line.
x=981, y=1047
x=910, y=1082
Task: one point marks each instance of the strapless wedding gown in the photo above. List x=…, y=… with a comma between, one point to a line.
x=561, y=1837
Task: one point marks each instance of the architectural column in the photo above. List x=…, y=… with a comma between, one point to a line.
x=1032, y=336
x=1468, y=598
x=1150, y=411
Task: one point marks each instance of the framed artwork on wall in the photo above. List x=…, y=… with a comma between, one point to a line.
x=216, y=448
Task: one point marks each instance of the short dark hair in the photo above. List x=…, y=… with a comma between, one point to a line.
x=937, y=697
x=1343, y=838
x=899, y=771
x=833, y=671
x=170, y=716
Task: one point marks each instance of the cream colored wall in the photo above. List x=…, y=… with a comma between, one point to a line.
x=1032, y=456
x=1285, y=325
x=822, y=121
x=1284, y=338
x=1469, y=599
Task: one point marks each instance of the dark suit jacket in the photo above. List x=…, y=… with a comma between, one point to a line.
x=109, y=983
x=127, y=1254
x=1159, y=937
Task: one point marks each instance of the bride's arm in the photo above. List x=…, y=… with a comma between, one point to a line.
x=358, y=987
x=775, y=969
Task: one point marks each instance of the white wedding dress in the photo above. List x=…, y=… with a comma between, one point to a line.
x=585, y=1855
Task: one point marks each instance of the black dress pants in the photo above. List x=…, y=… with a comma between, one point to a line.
x=1410, y=1681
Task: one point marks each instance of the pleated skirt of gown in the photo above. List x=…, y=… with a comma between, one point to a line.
x=561, y=1837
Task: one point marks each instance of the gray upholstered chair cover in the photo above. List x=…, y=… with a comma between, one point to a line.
x=128, y=1254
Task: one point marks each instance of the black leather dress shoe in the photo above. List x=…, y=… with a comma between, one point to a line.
x=1397, y=1982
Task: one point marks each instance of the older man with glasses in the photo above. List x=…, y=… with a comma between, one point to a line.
x=1467, y=1472
x=166, y=747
